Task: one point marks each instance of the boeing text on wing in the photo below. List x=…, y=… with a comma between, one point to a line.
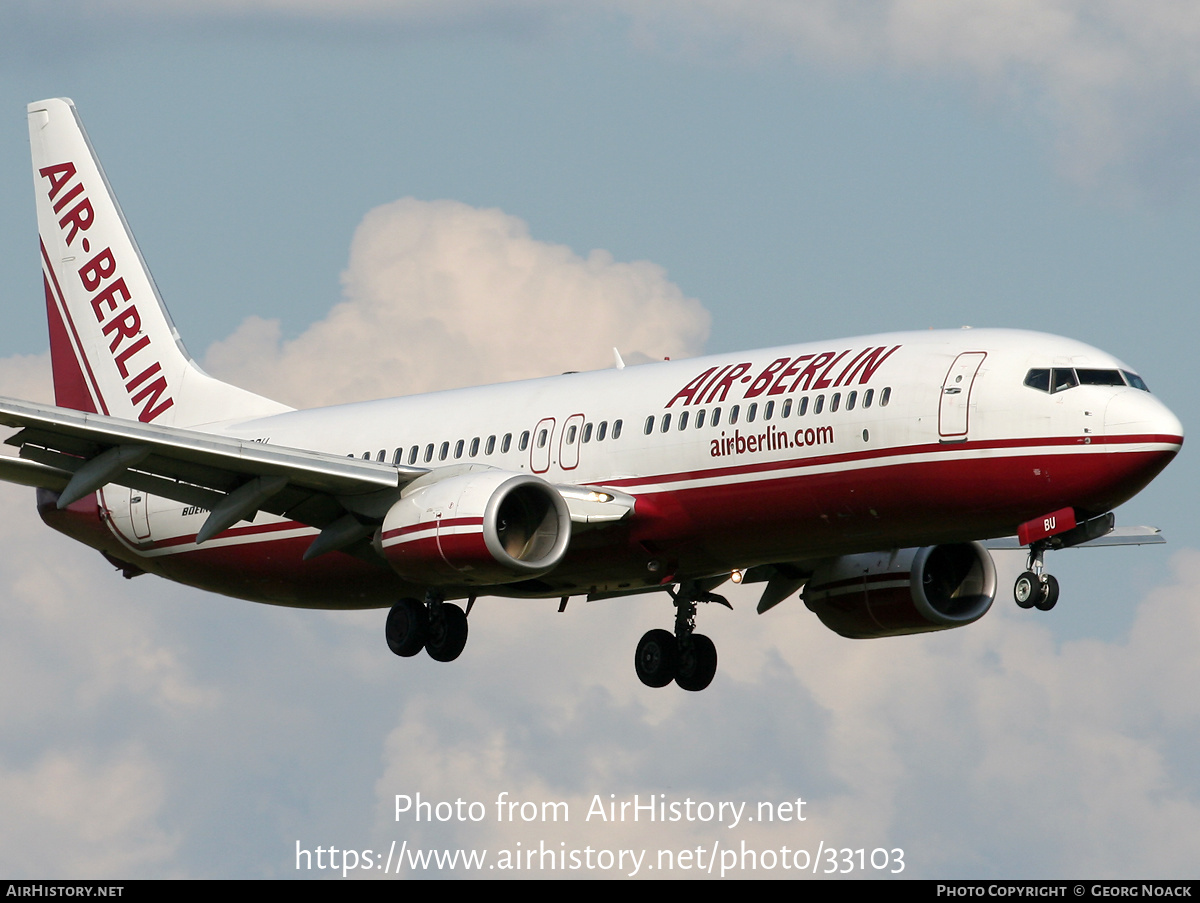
x=862, y=476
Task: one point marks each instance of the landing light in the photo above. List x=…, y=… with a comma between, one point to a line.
x=599, y=497
x=736, y=575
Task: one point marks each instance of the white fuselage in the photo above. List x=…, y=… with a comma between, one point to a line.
x=868, y=443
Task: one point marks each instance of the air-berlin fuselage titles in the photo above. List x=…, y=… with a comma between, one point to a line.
x=861, y=475
x=812, y=371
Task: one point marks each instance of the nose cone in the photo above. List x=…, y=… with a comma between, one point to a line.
x=1142, y=436
x=1132, y=416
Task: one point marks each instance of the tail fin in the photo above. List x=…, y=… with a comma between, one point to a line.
x=113, y=347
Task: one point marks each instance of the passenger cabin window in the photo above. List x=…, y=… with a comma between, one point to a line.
x=474, y=446
x=803, y=408
x=542, y=435
x=524, y=443
x=666, y=422
x=649, y=424
x=716, y=417
x=398, y=457
x=819, y=404
x=490, y=446
x=616, y=434
x=412, y=454
x=835, y=401
x=850, y=399
x=601, y=431
x=683, y=418
x=700, y=418
x=428, y=453
x=786, y=411
x=768, y=410
x=506, y=444
x=885, y=396
x=870, y=394
x=752, y=412
x=444, y=451
x=571, y=434
x=733, y=415
x=458, y=448
x=587, y=432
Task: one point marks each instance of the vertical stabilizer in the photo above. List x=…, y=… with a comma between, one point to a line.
x=113, y=347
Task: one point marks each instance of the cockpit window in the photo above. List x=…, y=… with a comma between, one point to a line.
x=1136, y=381
x=1057, y=380
x=1060, y=379
x=1099, y=377
x=1038, y=379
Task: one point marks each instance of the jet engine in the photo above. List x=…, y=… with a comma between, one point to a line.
x=476, y=528
x=903, y=591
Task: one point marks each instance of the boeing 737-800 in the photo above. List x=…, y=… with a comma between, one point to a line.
x=862, y=475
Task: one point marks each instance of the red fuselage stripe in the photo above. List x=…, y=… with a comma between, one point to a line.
x=899, y=452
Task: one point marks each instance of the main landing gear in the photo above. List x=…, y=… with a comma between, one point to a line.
x=1035, y=589
x=687, y=657
x=440, y=628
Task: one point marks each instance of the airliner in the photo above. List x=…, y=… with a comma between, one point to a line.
x=866, y=477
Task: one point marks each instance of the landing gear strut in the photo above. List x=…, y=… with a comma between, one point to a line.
x=688, y=658
x=440, y=628
x=1034, y=588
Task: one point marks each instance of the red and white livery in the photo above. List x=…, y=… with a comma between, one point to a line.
x=865, y=474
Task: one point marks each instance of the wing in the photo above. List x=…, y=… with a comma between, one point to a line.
x=1118, y=536
x=76, y=453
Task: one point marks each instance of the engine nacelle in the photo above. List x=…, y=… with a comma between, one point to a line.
x=903, y=591
x=478, y=528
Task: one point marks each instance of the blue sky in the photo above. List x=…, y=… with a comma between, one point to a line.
x=799, y=171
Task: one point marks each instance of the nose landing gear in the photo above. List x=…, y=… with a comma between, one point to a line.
x=688, y=658
x=1034, y=588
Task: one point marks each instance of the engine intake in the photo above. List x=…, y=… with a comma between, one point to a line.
x=479, y=528
x=903, y=591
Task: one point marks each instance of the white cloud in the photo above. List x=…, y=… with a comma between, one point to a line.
x=27, y=376
x=989, y=751
x=440, y=295
x=68, y=815
x=994, y=750
x=83, y=673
